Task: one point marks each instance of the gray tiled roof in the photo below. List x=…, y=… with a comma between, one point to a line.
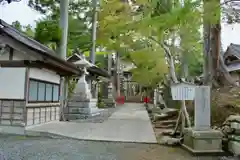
x=32, y=44
x=234, y=49
x=14, y=33
x=93, y=69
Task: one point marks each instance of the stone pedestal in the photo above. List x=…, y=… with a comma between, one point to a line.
x=202, y=139
x=81, y=105
x=202, y=142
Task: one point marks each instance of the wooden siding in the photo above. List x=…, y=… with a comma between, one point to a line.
x=42, y=114
x=12, y=113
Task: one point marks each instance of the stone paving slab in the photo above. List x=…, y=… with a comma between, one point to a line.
x=129, y=123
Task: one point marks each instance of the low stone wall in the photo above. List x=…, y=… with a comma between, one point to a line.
x=231, y=132
x=42, y=114
x=12, y=116
x=12, y=112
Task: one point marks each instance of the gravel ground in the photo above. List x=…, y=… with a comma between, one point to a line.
x=40, y=148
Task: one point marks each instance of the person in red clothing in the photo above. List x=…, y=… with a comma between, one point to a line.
x=145, y=97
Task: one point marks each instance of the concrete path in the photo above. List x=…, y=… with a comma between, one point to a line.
x=129, y=123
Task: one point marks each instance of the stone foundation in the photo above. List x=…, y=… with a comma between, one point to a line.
x=15, y=116
x=42, y=114
x=199, y=142
x=81, y=108
x=12, y=117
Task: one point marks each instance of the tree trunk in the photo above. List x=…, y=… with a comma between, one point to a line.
x=183, y=109
x=184, y=75
x=117, y=76
x=173, y=76
x=212, y=44
x=207, y=68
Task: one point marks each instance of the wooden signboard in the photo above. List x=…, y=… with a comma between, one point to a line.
x=183, y=91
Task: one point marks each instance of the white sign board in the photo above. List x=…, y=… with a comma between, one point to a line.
x=183, y=92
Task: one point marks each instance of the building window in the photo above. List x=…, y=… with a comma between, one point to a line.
x=55, y=92
x=33, y=91
x=40, y=91
x=49, y=91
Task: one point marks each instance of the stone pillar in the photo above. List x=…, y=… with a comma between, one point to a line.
x=202, y=107
x=96, y=89
x=110, y=90
x=155, y=97
x=201, y=139
x=109, y=101
x=104, y=89
x=81, y=105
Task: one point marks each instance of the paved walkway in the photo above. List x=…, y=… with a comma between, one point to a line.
x=130, y=123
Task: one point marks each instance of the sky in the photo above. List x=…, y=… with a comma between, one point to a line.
x=25, y=15
x=18, y=11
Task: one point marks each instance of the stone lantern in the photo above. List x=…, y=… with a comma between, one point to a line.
x=82, y=105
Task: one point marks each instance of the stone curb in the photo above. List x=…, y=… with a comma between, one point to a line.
x=57, y=136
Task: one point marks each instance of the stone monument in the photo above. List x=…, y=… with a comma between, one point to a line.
x=81, y=105
x=201, y=138
x=108, y=99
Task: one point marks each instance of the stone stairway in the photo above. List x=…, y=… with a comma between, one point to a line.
x=165, y=118
x=164, y=122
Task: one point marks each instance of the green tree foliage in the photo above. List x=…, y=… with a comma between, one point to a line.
x=129, y=32
x=120, y=26
x=28, y=30
x=48, y=30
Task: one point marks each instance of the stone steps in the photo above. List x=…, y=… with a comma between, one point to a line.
x=170, y=112
x=170, y=141
x=164, y=122
x=167, y=122
x=159, y=125
x=163, y=117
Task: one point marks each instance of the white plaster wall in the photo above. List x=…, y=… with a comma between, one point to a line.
x=44, y=74
x=4, y=56
x=17, y=55
x=12, y=83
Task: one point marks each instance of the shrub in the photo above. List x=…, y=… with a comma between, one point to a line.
x=101, y=105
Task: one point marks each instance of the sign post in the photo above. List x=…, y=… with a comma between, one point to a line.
x=201, y=138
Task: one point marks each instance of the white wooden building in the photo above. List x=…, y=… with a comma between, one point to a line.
x=29, y=81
